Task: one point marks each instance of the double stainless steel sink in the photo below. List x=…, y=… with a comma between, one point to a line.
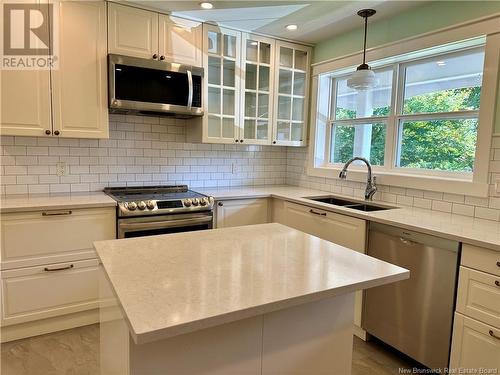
x=348, y=203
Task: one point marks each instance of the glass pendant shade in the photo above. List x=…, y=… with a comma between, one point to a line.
x=362, y=79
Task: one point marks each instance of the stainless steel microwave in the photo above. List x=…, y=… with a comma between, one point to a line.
x=150, y=86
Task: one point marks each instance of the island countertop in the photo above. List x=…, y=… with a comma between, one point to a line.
x=179, y=283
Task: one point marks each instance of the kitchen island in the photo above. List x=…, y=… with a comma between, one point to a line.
x=260, y=299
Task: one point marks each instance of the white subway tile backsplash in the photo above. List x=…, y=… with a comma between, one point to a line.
x=152, y=150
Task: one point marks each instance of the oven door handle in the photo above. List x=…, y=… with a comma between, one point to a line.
x=165, y=224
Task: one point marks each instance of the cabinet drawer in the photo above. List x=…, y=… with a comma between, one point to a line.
x=475, y=345
x=340, y=229
x=481, y=259
x=479, y=296
x=51, y=290
x=43, y=237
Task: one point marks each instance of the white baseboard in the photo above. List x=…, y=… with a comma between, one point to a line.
x=43, y=326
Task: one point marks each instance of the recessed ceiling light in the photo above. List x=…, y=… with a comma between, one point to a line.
x=441, y=63
x=291, y=27
x=206, y=5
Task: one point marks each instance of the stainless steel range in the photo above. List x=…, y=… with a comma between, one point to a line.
x=152, y=210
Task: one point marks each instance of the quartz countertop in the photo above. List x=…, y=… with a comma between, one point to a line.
x=23, y=203
x=174, y=284
x=465, y=229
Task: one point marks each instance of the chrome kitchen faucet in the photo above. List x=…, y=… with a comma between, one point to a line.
x=371, y=188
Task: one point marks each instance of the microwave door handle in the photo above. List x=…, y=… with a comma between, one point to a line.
x=190, y=85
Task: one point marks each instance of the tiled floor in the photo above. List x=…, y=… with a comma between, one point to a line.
x=76, y=352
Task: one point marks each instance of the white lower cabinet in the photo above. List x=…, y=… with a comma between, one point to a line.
x=475, y=345
x=340, y=229
x=234, y=213
x=50, y=273
x=476, y=329
x=50, y=290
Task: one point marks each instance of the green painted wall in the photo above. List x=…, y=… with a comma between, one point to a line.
x=422, y=19
x=427, y=17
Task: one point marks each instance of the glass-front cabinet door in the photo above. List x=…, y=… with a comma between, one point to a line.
x=258, y=83
x=291, y=100
x=222, y=58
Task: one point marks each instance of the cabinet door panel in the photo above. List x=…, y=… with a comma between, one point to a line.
x=257, y=87
x=180, y=40
x=80, y=83
x=26, y=298
x=25, y=100
x=55, y=234
x=235, y=213
x=222, y=85
x=132, y=31
x=291, y=98
x=479, y=296
x=473, y=345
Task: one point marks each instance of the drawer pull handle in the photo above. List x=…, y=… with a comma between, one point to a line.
x=47, y=269
x=317, y=213
x=498, y=263
x=497, y=283
x=492, y=334
x=57, y=213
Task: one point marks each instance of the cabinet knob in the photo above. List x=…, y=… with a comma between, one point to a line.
x=241, y=140
x=47, y=132
x=155, y=56
x=236, y=140
x=498, y=264
x=56, y=132
x=274, y=142
x=162, y=57
x=220, y=204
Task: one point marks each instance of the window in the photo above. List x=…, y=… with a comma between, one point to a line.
x=421, y=118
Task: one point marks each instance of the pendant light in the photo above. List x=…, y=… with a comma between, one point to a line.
x=363, y=78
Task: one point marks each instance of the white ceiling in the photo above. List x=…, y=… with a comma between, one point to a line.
x=317, y=20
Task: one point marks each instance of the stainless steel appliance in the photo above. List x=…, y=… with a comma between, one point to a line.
x=152, y=210
x=151, y=86
x=414, y=316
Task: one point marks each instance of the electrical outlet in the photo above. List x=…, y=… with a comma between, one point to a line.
x=61, y=169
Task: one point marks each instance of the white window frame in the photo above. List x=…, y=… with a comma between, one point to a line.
x=475, y=184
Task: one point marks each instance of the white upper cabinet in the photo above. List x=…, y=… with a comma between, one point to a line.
x=79, y=85
x=150, y=35
x=25, y=101
x=257, y=88
x=180, y=40
x=70, y=100
x=222, y=49
x=25, y=105
x=291, y=94
x=132, y=31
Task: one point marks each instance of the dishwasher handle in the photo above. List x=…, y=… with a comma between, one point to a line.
x=412, y=238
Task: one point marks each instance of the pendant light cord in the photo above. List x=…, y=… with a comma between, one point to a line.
x=364, y=45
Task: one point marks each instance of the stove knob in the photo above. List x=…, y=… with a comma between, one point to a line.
x=204, y=201
x=132, y=206
x=187, y=202
x=195, y=201
x=150, y=205
x=141, y=205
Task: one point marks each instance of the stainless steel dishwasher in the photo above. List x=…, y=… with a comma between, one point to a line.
x=414, y=316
